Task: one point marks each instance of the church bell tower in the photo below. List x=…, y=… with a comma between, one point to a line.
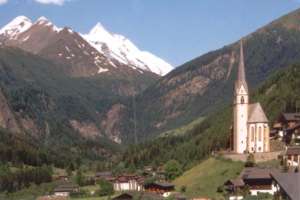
x=240, y=111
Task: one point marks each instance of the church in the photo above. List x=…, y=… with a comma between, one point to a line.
x=251, y=132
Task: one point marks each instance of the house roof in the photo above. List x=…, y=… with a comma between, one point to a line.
x=238, y=182
x=138, y=195
x=124, y=196
x=66, y=188
x=294, y=150
x=256, y=114
x=291, y=116
x=162, y=185
x=104, y=174
x=289, y=182
x=256, y=173
x=127, y=178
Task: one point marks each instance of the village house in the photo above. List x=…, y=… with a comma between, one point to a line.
x=287, y=128
x=164, y=189
x=292, y=156
x=257, y=180
x=286, y=185
x=128, y=183
x=66, y=189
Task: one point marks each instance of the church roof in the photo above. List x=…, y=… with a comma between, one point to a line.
x=241, y=79
x=256, y=113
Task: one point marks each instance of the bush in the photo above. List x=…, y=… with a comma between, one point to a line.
x=106, y=188
x=173, y=169
x=250, y=161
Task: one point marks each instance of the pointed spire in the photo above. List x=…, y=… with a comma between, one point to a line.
x=241, y=70
x=241, y=79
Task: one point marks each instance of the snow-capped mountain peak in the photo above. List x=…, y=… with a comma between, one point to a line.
x=43, y=21
x=17, y=26
x=123, y=50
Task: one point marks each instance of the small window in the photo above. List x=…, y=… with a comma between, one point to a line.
x=242, y=100
x=252, y=134
x=259, y=134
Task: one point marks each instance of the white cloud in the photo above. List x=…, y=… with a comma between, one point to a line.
x=56, y=2
x=3, y=2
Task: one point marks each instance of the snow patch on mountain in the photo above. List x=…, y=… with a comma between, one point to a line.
x=118, y=47
x=15, y=27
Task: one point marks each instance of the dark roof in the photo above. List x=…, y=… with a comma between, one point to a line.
x=256, y=173
x=238, y=182
x=68, y=187
x=162, y=185
x=289, y=182
x=294, y=150
x=103, y=174
x=291, y=116
x=138, y=195
x=126, y=196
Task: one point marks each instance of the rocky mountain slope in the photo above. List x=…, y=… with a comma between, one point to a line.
x=204, y=83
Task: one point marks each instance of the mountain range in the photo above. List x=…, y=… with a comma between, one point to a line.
x=66, y=88
x=90, y=54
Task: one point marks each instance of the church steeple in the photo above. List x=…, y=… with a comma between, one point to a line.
x=241, y=79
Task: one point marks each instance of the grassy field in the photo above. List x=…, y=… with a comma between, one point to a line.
x=204, y=179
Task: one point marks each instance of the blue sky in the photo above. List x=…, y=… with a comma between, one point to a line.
x=176, y=30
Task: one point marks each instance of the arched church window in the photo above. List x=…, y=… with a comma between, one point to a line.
x=259, y=134
x=242, y=100
x=252, y=133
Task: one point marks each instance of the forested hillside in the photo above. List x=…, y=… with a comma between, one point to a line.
x=281, y=92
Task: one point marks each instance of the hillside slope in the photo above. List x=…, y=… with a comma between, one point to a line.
x=280, y=93
x=204, y=179
x=34, y=102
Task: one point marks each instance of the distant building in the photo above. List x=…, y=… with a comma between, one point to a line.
x=292, y=156
x=250, y=127
x=66, y=189
x=258, y=180
x=128, y=183
x=286, y=185
x=287, y=127
x=164, y=189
